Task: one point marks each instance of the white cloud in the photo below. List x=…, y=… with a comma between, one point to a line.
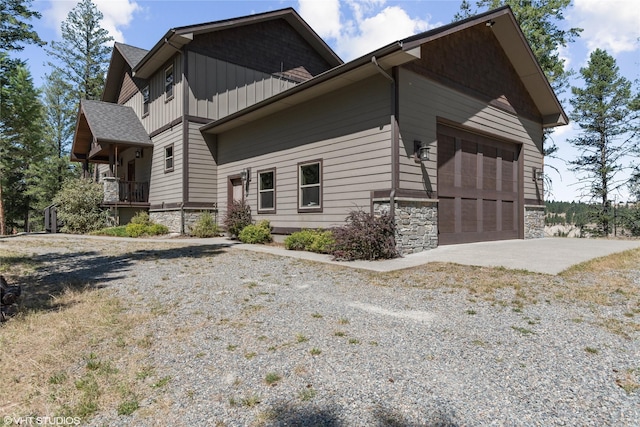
x=322, y=16
x=117, y=14
x=357, y=27
x=613, y=25
x=369, y=33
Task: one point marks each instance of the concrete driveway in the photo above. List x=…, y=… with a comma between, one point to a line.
x=549, y=255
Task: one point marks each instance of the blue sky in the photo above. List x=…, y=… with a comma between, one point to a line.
x=355, y=27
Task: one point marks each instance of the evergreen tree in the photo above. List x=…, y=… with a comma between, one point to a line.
x=20, y=146
x=83, y=54
x=15, y=31
x=601, y=110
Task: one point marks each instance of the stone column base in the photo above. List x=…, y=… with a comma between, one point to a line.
x=416, y=223
x=534, y=221
x=180, y=220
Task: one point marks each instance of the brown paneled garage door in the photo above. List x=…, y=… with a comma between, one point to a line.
x=477, y=188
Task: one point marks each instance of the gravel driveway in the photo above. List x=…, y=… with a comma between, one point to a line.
x=248, y=338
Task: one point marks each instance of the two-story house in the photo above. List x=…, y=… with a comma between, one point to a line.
x=444, y=130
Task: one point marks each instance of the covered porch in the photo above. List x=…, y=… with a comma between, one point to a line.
x=112, y=138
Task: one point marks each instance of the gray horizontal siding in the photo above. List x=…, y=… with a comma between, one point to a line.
x=348, y=130
x=422, y=101
x=218, y=88
x=166, y=186
x=202, y=168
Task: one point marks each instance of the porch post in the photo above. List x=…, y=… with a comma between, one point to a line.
x=111, y=161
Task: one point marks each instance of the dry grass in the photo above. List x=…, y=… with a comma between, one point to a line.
x=74, y=350
x=69, y=362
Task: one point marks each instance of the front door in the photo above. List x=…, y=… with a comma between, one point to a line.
x=234, y=191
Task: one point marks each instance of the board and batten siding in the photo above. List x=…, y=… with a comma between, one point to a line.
x=218, y=88
x=161, y=111
x=166, y=187
x=422, y=101
x=348, y=130
x=202, y=172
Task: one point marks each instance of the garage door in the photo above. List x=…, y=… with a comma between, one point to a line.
x=477, y=188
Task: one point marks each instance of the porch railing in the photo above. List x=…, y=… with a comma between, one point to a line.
x=133, y=191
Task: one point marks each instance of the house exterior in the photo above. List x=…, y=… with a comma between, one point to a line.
x=443, y=130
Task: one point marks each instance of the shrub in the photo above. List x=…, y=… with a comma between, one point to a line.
x=238, y=217
x=365, y=237
x=256, y=233
x=135, y=230
x=141, y=225
x=78, y=205
x=119, y=231
x=310, y=240
x=205, y=226
x=141, y=217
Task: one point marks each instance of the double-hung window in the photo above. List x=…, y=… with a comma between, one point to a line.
x=145, y=100
x=168, y=83
x=310, y=186
x=267, y=191
x=168, y=158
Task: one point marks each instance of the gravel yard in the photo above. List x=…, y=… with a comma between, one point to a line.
x=243, y=338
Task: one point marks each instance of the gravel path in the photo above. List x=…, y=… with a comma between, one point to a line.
x=355, y=348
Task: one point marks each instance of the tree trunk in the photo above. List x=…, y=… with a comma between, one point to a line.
x=3, y=226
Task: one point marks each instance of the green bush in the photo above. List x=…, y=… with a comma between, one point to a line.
x=256, y=233
x=310, y=240
x=135, y=230
x=238, y=217
x=141, y=225
x=78, y=206
x=119, y=231
x=141, y=217
x=205, y=226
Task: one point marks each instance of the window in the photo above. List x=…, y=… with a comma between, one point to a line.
x=145, y=100
x=168, y=83
x=168, y=158
x=267, y=191
x=310, y=186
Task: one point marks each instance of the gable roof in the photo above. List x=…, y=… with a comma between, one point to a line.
x=178, y=37
x=133, y=55
x=123, y=56
x=101, y=124
x=506, y=30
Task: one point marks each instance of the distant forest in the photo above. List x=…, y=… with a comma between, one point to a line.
x=624, y=217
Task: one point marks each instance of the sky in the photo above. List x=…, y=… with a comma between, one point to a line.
x=355, y=27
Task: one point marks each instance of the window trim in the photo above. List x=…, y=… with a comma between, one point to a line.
x=145, y=103
x=320, y=207
x=271, y=210
x=173, y=83
x=173, y=156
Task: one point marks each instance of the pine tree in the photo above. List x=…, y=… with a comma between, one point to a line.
x=15, y=31
x=83, y=54
x=21, y=145
x=601, y=110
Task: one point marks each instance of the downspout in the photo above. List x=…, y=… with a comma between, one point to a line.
x=394, y=139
